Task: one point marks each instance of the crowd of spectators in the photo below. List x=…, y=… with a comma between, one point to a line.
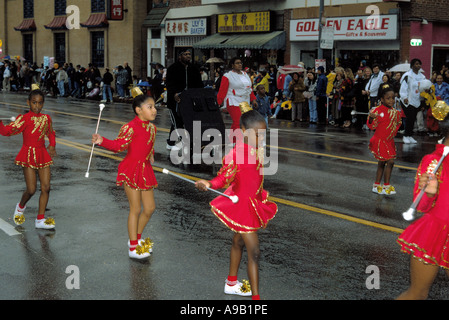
x=67, y=80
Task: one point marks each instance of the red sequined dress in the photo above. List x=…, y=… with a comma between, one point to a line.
x=427, y=238
x=135, y=170
x=386, y=126
x=242, y=175
x=34, y=128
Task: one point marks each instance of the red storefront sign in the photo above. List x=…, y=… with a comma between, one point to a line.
x=115, y=9
x=382, y=27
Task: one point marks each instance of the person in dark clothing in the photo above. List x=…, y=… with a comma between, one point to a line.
x=107, y=80
x=321, y=95
x=361, y=99
x=181, y=75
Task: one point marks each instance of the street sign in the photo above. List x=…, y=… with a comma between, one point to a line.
x=327, y=38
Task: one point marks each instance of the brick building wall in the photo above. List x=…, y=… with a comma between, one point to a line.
x=434, y=31
x=123, y=39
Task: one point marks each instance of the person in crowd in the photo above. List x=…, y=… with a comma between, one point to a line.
x=321, y=95
x=107, y=80
x=235, y=88
x=372, y=87
x=335, y=97
x=61, y=80
x=410, y=98
x=122, y=79
x=181, y=75
x=347, y=98
x=263, y=102
x=310, y=95
x=297, y=88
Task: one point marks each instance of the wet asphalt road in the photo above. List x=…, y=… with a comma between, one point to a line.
x=312, y=250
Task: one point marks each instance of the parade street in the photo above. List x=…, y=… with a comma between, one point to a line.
x=332, y=238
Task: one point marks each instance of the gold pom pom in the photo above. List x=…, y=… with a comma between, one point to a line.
x=19, y=219
x=148, y=244
x=246, y=287
x=140, y=249
x=49, y=222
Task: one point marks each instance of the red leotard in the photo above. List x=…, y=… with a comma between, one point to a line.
x=382, y=143
x=135, y=170
x=427, y=238
x=241, y=171
x=34, y=127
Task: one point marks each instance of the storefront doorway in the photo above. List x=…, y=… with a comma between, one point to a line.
x=352, y=58
x=440, y=58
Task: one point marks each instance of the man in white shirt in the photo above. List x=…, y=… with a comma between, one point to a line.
x=372, y=87
x=410, y=97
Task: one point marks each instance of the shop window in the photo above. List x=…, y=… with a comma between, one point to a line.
x=98, y=6
x=98, y=48
x=60, y=47
x=60, y=7
x=28, y=9
x=28, y=47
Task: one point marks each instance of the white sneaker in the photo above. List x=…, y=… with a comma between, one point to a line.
x=377, y=188
x=412, y=140
x=406, y=139
x=48, y=223
x=138, y=253
x=388, y=190
x=18, y=216
x=238, y=289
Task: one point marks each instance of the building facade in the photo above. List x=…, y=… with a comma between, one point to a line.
x=110, y=32
x=426, y=33
x=105, y=33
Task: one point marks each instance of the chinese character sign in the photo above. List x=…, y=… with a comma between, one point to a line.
x=116, y=10
x=244, y=22
x=187, y=27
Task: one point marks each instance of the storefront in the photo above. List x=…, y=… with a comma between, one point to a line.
x=247, y=35
x=185, y=33
x=370, y=38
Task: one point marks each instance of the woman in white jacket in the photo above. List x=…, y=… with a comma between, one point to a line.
x=409, y=94
x=235, y=88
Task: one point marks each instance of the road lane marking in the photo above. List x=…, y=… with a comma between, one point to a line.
x=275, y=199
x=8, y=229
x=336, y=215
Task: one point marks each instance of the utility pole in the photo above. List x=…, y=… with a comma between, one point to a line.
x=320, y=51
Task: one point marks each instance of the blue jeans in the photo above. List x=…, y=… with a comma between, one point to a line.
x=76, y=90
x=312, y=110
x=61, y=88
x=107, y=92
x=121, y=90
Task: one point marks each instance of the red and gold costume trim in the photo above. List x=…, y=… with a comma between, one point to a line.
x=135, y=170
x=426, y=239
x=34, y=129
x=242, y=175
